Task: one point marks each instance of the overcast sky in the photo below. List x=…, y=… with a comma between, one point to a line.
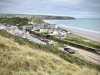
x=74, y=8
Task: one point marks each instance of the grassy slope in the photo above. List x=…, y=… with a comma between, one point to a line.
x=18, y=59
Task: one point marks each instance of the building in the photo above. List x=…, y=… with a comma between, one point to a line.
x=62, y=34
x=43, y=30
x=27, y=27
x=12, y=29
x=2, y=26
x=53, y=26
x=52, y=32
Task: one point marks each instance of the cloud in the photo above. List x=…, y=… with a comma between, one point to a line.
x=69, y=1
x=56, y=7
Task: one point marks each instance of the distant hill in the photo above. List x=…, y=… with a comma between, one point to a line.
x=43, y=17
x=53, y=17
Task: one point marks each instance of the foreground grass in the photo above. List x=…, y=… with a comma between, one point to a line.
x=22, y=57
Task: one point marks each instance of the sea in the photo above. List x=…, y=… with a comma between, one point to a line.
x=89, y=26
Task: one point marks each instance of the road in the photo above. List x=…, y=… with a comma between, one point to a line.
x=36, y=40
x=95, y=58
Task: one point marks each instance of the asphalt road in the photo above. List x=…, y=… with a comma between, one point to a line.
x=36, y=40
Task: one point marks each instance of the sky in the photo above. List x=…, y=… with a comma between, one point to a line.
x=73, y=8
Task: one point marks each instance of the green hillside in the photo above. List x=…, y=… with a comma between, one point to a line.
x=20, y=56
x=43, y=17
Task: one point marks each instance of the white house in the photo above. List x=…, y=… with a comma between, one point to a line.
x=52, y=32
x=12, y=29
x=2, y=26
x=30, y=22
x=29, y=27
x=43, y=30
x=62, y=34
x=34, y=28
x=54, y=26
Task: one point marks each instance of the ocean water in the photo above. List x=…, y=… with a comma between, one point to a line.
x=83, y=25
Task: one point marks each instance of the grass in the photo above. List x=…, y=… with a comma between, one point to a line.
x=44, y=33
x=38, y=21
x=37, y=30
x=22, y=57
x=57, y=45
x=77, y=54
x=80, y=40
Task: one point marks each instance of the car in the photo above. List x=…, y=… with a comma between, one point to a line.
x=40, y=38
x=69, y=50
x=35, y=36
x=44, y=40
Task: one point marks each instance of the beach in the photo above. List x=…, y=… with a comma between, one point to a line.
x=88, y=36
x=91, y=35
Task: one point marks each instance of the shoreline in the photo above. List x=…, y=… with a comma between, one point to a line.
x=85, y=35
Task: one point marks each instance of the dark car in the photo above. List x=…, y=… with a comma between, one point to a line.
x=35, y=36
x=40, y=38
x=69, y=50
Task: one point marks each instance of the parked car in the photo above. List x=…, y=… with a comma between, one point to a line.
x=35, y=36
x=44, y=40
x=40, y=38
x=69, y=50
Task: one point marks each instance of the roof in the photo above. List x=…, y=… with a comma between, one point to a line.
x=44, y=28
x=2, y=27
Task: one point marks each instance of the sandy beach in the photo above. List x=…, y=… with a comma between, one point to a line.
x=91, y=37
x=85, y=34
